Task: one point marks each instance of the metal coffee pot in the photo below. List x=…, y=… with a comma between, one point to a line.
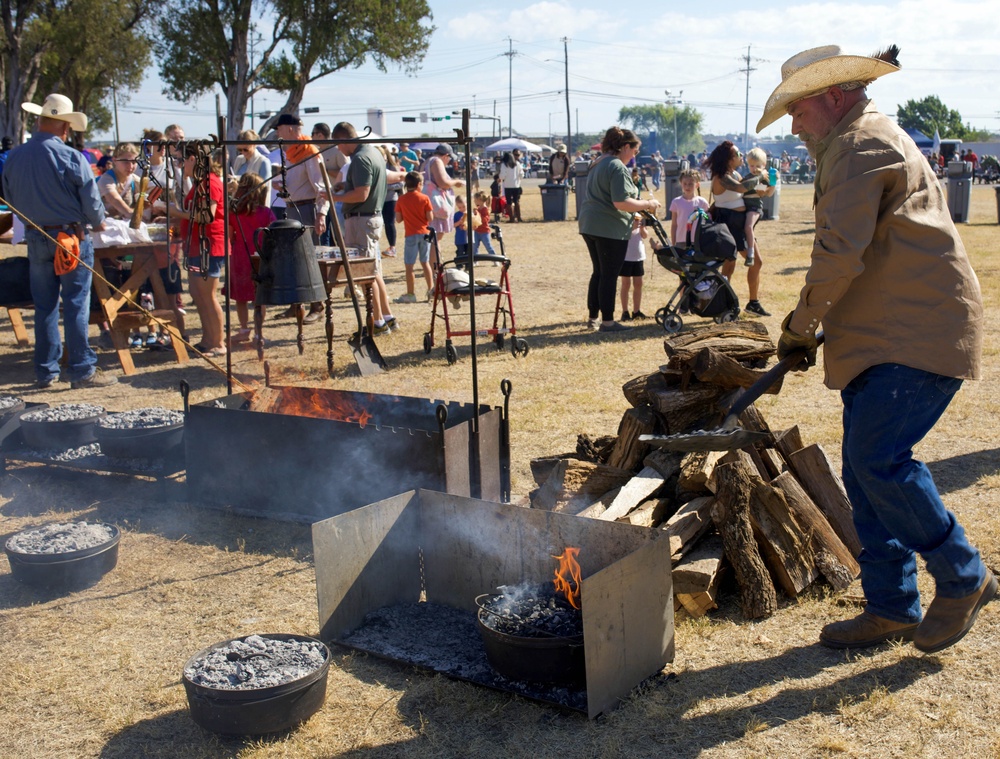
x=289, y=272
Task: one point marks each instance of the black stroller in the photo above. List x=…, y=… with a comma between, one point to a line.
x=702, y=290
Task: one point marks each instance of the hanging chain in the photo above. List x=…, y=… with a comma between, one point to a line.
x=201, y=211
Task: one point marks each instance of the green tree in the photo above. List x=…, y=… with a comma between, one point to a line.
x=63, y=46
x=662, y=119
x=929, y=114
x=207, y=46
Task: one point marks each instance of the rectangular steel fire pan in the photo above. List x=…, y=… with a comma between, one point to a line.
x=453, y=548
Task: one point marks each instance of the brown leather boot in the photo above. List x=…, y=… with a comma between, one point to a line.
x=864, y=631
x=949, y=619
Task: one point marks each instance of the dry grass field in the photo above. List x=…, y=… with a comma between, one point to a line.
x=96, y=673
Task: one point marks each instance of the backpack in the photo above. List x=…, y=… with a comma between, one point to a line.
x=709, y=238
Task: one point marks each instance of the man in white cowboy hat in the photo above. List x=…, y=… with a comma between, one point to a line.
x=51, y=185
x=900, y=307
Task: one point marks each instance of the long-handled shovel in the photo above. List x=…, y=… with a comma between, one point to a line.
x=730, y=436
x=366, y=353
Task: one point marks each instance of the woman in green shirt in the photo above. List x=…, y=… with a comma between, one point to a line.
x=606, y=223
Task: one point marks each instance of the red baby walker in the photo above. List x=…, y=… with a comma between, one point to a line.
x=452, y=283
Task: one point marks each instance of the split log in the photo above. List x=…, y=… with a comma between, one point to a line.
x=681, y=409
x=751, y=419
x=813, y=470
x=628, y=451
x=637, y=389
x=742, y=341
x=667, y=463
x=834, y=559
x=758, y=462
x=594, y=449
x=732, y=516
x=699, y=604
x=686, y=527
x=773, y=462
x=788, y=441
x=651, y=512
x=633, y=492
x=574, y=485
x=696, y=470
x=713, y=366
x=696, y=573
x=599, y=506
x=542, y=467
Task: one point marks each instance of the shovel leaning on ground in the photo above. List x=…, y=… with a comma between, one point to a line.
x=366, y=353
x=730, y=436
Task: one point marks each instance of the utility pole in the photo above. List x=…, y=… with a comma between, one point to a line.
x=510, y=86
x=569, y=131
x=673, y=101
x=746, y=112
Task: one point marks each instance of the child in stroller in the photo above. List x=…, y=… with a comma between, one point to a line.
x=702, y=290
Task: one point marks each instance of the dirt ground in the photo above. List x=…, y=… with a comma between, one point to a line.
x=96, y=673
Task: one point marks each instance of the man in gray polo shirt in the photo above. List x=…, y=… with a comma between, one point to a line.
x=363, y=195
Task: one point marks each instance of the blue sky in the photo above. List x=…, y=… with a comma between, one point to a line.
x=950, y=49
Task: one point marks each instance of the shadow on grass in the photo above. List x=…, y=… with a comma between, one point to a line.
x=174, y=735
x=668, y=710
x=958, y=472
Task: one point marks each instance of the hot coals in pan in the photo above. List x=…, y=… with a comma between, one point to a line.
x=258, y=684
x=63, y=553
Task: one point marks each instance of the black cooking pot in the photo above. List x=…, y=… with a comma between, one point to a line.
x=68, y=569
x=261, y=710
x=140, y=443
x=289, y=272
x=60, y=434
x=549, y=659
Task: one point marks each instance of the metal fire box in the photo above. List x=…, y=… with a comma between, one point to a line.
x=300, y=468
x=432, y=547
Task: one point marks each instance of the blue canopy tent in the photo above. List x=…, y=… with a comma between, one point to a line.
x=922, y=140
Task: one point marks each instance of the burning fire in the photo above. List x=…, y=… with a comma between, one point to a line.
x=567, y=579
x=317, y=403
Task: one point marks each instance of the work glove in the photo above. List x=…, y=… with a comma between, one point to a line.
x=790, y=342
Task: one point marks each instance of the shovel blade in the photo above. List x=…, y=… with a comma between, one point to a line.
x=367, y=356
x=707, y=440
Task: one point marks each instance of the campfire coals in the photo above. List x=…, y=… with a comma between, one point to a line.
x=65, y=412
x=8, y=402
x=61, y=537
x=531, y=612
x=256, y=662
x=141, y=419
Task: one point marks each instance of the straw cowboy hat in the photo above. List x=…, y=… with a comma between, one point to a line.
x=60, y=108
x=813, y=71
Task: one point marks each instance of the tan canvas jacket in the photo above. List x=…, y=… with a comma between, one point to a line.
x=889, y=279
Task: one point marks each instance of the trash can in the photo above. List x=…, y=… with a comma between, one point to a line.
x=672, y=168
x=555, y=201
x=959, y=190
x=580, y=171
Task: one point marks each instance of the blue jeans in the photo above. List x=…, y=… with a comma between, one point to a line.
x=45, y=292
x=483, y=238
x=897, y=510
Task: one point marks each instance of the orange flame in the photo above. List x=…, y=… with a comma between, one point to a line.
x=568, y=576
x=317, y=403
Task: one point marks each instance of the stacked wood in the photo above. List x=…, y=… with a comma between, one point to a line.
x=775, y=513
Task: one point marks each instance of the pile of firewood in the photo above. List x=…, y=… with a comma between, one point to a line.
x=775, y=513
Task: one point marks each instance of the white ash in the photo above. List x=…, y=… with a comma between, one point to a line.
x=447, y=640
x=141, y=419
x=64, y=412
x=256, y=662
x=9, y=402
x=61, y=537
x=65, y=454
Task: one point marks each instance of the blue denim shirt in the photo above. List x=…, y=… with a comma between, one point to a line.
x=51, y=183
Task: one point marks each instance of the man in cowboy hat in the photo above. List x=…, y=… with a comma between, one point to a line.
x=900, y=307
x=52, y=187
x=559, y=165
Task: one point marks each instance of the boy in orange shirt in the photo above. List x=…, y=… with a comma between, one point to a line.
x=414, y=211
